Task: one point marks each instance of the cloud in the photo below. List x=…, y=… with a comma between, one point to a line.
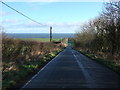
x=3, y=13
x=10, y=21
x=18, y=23
x=63, y=24
x=58, y=0
x=58, y=27
x=54, y=24
x=31, y=0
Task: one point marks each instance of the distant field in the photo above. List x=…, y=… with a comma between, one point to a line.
x=40, y=39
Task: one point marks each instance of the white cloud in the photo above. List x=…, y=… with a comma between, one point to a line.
x=10, y=21
x=63, y=24
x=3, y=13
x=31, y=0
x=53, y=24
x=18, y=23
x=63, y=27
x=58, y=0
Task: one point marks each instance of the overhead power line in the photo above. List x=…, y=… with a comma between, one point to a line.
x=23, y=14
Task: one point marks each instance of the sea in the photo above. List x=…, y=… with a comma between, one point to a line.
x=40, y=35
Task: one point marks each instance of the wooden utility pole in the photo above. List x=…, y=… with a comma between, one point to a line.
x=50, y=33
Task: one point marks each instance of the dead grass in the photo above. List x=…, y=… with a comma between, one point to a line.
x=21, y=57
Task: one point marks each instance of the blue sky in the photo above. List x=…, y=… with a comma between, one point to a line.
x=65, y=17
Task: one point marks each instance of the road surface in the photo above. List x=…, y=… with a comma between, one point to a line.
x=70, y=69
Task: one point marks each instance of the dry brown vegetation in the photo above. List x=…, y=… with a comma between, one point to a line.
x=21, y=57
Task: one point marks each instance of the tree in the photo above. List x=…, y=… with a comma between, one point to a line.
x=102, y=33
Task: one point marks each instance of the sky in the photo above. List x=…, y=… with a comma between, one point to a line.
x=64, y=17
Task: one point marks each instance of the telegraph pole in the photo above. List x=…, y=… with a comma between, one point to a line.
x=50, y=33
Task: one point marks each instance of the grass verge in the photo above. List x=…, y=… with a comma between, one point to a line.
x=107, y=63
x=25, y=70
x=111, y=64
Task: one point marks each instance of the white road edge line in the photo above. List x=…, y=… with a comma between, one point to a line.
x=41, y=69
x=86, y=74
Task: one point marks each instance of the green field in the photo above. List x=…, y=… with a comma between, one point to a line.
x=41, y=39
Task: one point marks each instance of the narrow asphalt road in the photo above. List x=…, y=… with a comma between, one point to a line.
x=70, y=69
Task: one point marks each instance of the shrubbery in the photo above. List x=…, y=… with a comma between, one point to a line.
x=100, y=37
x=22, y=57
x=102, y=34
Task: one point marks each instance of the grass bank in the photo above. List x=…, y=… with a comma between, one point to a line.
x=110, y=63
x=13, y=77
x=21, y=58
